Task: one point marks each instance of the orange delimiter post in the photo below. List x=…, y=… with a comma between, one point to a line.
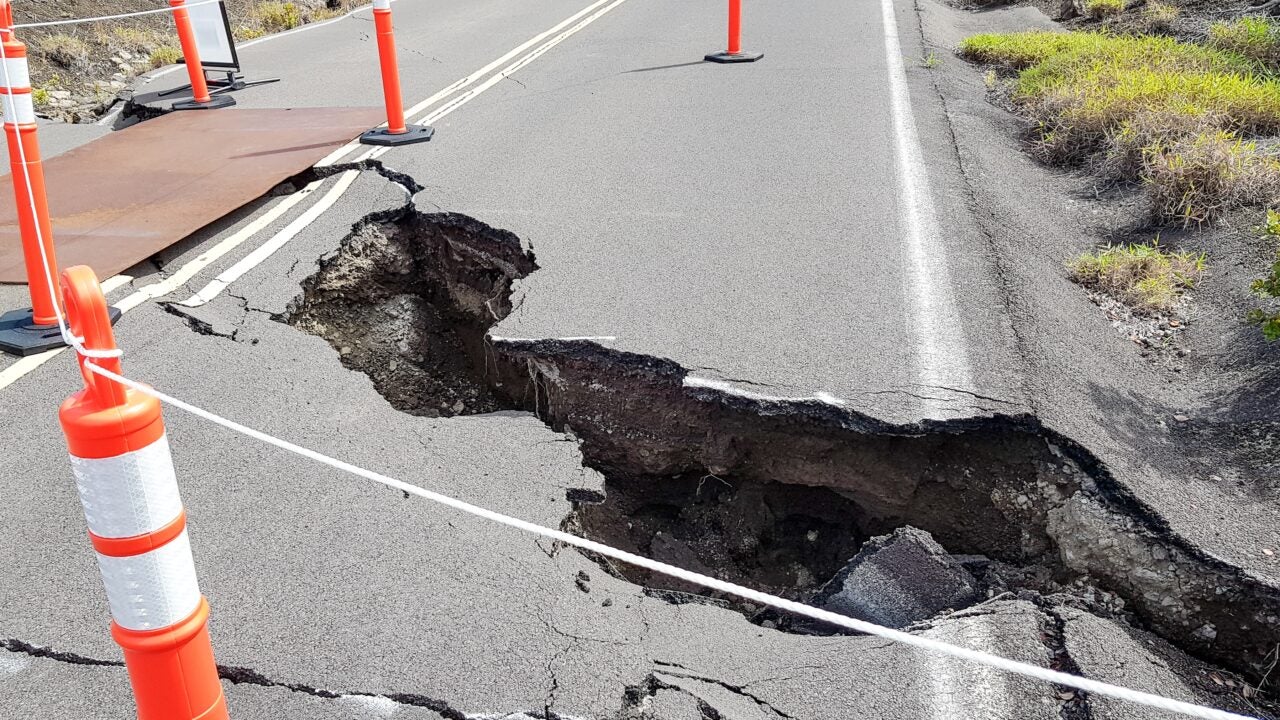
x=396, y=132
x=390, y=68
x=190, y=51
x=733, y=53
x=33, y=209
x=735, y=27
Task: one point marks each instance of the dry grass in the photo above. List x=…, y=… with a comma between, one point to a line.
x=66, y=51
x=1145, y=277
x=1168, y=113
x=1156, y=17
x=134, y=39
x=1253, y=37
x=1098, y=9
x=274, y=17
x=1196, y=178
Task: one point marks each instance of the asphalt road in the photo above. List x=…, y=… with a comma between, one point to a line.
x=747, y=222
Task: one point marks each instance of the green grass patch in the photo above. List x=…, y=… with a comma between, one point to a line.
x=1268, y=286
x=1156, y=109
x=274, y=17
x=165, y=55
x=1146, y=277
x=1103, y=8
x=1253, y=37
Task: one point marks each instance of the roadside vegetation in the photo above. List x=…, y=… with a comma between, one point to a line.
x=1173, y=115
x=1267, y=287
x=1195, y=124
x=1104, y=8
x=1145, y=277
x=268, y=18
x=1156, y=17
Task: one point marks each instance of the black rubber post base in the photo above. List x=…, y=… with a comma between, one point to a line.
x=380, y=136
x=741, y=57
x=215, y=102
x=19, y=336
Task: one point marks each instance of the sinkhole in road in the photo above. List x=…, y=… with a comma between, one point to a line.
x=406, y=303
x=772, y=494
x=782, y=539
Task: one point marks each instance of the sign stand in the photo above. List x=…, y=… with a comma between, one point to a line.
x=233, y=81
x=217, y=51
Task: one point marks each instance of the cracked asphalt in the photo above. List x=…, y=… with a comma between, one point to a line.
x=738, y=220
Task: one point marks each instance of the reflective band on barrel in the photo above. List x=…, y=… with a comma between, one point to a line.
x=130, y=494
x=153, y=590
x=381, y=4
x=19, y=76
x=18, y=109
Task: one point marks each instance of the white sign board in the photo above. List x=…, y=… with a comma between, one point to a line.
x=213, y=36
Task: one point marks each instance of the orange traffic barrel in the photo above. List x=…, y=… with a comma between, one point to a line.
x=129, y=491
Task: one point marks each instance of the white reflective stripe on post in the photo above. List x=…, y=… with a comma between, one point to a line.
x=381, y=4
x=131, y=494
x=18, y=109
x=153, y=590
x=19, y=76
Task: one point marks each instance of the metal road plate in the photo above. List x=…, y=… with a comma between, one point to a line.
x=126, y=196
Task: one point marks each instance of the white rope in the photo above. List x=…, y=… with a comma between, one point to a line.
x=121, y=16
x=935, y=646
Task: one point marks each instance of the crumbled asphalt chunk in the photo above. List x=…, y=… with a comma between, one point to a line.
x=899, y=579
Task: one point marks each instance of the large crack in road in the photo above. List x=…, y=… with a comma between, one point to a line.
x=772, y=494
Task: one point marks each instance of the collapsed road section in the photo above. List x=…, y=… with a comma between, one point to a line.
x=772, y=494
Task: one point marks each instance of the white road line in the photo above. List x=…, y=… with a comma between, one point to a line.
x=729, y=388
x=941, y=354
x=215, y=287
x=25, y=365
x=466, y=81
x=109, y=117
x=571, y=338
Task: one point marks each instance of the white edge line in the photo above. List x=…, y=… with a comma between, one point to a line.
x=22, y=366
x=208, y=257
x=940, y=343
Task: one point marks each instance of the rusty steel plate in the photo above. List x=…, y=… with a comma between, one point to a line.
x=126, y=196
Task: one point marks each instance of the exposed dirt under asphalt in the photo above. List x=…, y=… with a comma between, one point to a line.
x=747, y=489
